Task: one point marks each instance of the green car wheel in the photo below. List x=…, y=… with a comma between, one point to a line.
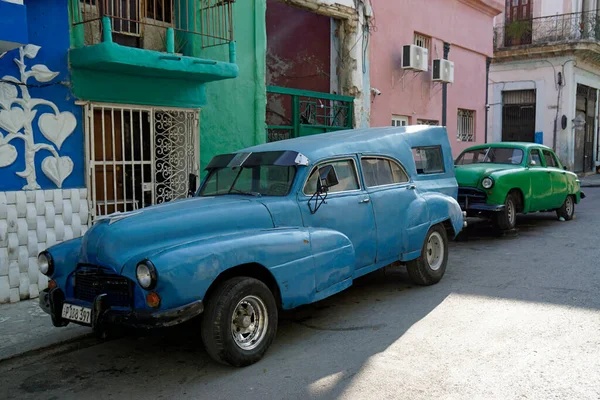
x=507, y=218
x=567, y=211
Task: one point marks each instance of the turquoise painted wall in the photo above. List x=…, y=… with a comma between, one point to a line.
x=234, y=116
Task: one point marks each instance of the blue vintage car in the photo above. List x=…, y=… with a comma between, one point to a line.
x=271, y=227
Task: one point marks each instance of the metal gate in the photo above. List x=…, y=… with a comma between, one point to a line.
x=518, y=116
x=139, y=156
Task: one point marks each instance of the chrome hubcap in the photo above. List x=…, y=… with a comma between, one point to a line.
x=569, y=205
x=435, y=251
x=249, y=322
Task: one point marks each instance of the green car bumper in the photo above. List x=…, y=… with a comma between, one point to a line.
x=475, y=201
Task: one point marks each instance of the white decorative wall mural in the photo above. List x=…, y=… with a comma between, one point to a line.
x=17, y=115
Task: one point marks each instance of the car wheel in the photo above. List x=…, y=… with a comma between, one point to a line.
x=429, y=268
x=239, y=322
x=567, y=210
x=507, y=218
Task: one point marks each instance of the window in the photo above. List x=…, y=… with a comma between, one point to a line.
x=266, y=180
x=465, y=131
x=550, y=159
x=427, y=122
x=346, y=173
x=428, y=160
x=399, y=120
x=535, y=158
x=498, y=155
x=422, y=40
x=382, y=171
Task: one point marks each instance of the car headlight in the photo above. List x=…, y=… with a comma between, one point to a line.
x=487, y=182
x=45, y=264
x=146, y=275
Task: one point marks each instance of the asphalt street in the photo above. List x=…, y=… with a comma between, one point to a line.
x=513, y=318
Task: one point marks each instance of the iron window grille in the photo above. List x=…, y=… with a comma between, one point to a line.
x=465, y=131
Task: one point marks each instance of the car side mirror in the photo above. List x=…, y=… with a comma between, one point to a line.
x=191, y=185
x=327, y=178
x=565, y=168
x=532, y=163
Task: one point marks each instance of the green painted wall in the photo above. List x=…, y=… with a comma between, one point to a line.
x=234, y=116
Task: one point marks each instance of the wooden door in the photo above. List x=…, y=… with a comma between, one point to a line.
x=519, y=24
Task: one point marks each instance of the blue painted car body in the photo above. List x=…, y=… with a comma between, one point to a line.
x=309, y=256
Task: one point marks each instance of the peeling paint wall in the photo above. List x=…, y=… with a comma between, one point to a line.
x=298, y=48
x=298, y=56
x=353, y=55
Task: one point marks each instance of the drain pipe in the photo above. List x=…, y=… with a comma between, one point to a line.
x=488, y=61
x=445, y=87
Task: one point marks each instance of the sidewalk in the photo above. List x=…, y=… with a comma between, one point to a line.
x=25, y=327
x=590, y=181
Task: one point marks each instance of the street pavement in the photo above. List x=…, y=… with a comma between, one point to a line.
x=25, y=327
x=513, y=318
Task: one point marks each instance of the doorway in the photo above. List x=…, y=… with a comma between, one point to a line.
x=585, y=110
x=518, y=116
x=139, y=156
x=519, y=23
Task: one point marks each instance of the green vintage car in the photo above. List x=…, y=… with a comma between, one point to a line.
x=499, y=180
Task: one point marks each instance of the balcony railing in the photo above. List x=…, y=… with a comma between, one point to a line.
x=292, y=113
x=574, y=27
x=144, y=23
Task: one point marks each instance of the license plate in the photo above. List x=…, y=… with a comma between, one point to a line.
x=77, y=313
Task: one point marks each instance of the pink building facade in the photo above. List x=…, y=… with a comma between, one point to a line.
x=406, y=97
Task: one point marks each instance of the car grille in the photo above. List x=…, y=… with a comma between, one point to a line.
x=93, y=281
x=473, y=195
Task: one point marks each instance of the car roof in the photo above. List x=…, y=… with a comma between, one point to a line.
x=392, y=141
x=518, y=145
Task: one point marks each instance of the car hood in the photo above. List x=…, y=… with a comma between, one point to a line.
x=471, y=174
x=115, y=240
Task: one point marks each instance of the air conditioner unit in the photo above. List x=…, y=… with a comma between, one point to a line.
x=443, y=71
x=415, y=57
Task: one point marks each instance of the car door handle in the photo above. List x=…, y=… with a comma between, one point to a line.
x=411, y=187
x=365, y=201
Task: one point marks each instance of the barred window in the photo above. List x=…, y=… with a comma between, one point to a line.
x=428, y=122
x=422, y=40
x=465, y=131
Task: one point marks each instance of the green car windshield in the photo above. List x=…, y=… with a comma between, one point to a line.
x=498, y=155
x=258, y=180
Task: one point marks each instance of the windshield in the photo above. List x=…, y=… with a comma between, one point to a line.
x=258, y=180
x=498, y=155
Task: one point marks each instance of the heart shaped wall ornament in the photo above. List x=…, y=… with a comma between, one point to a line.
x=12, y=120
x=8, y=93
x=57, y=127
x=8, y=154
x=57, y=169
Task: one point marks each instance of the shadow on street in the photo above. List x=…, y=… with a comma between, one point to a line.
x=321, y=348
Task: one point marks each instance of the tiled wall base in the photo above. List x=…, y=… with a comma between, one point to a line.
x=30, y=222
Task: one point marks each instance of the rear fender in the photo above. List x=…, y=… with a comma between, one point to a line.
x=444, y=208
